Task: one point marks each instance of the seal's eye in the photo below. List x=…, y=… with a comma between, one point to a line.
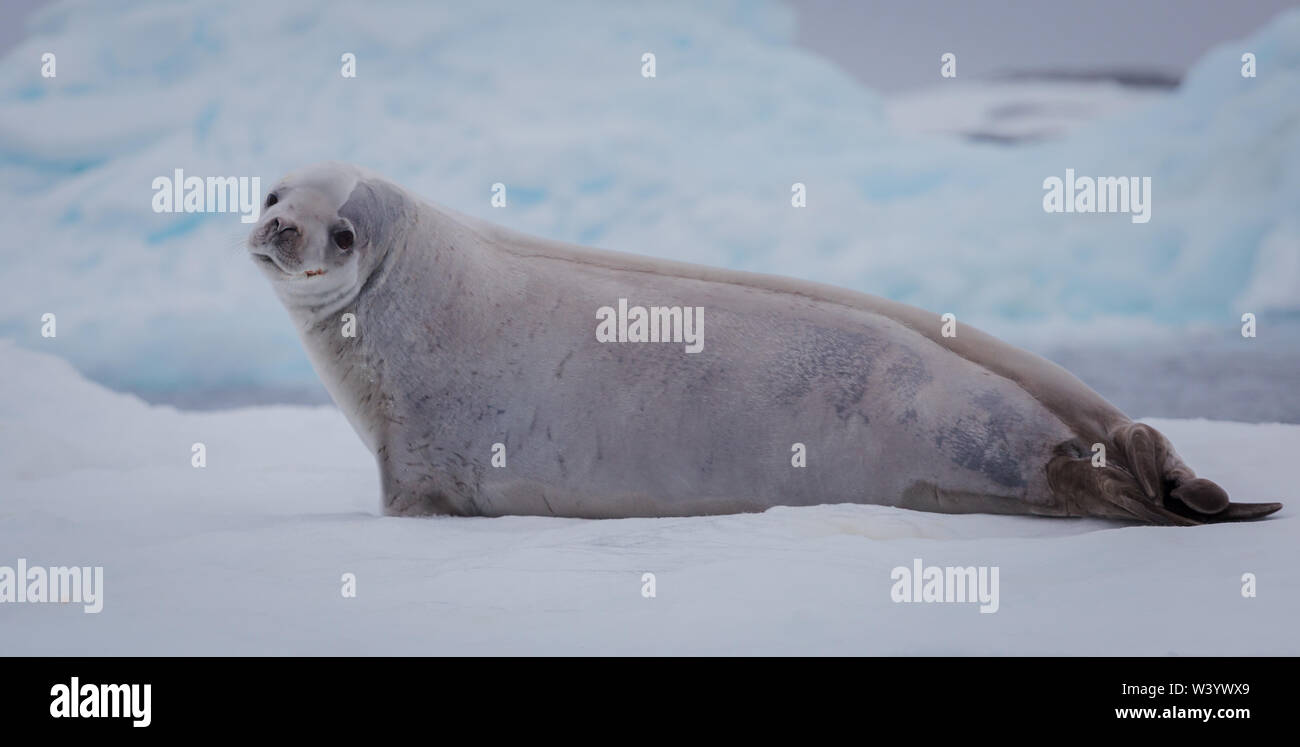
x=343, y=238
x=271, y=199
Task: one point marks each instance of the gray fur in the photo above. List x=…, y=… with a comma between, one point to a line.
x=470, y=335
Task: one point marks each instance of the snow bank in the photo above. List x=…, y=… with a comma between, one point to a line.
x=246, y=556
x=696, y=164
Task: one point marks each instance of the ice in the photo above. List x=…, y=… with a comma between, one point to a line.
x=695, y=164
x=247, y=555
x=1012, y=110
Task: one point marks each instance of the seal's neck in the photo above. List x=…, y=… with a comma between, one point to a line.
x=402, y=320
x=306, y=311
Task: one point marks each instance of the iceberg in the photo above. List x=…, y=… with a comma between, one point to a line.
x=694, y=164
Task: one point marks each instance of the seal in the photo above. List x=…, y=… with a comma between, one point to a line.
x=489, y=374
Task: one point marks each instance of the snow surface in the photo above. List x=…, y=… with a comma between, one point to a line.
x=696, y=164
x=246, y=555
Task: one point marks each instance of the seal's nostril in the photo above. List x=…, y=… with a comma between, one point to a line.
x=279, y=232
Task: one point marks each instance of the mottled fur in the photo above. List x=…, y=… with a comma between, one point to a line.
x=471, y=335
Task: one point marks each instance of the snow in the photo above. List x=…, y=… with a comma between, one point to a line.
x=246, y=555
x=696, y=164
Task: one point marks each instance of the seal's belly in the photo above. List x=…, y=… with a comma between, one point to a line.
x=776, y=409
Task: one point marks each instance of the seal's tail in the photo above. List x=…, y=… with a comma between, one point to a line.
x=1143, y=479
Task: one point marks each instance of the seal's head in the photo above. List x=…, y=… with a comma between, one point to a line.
x=323, y=231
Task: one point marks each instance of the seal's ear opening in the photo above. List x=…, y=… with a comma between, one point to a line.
x=373, y=208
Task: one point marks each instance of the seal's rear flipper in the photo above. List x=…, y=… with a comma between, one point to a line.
x=1201, y=495
x=1244, y=511
x=1144, y=481
x=1240, y=512
x=1203, y=500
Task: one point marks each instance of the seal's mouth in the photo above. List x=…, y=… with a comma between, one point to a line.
x=269, y=262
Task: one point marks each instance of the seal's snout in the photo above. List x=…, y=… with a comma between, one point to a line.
x=278, y=243
x=281, y=233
